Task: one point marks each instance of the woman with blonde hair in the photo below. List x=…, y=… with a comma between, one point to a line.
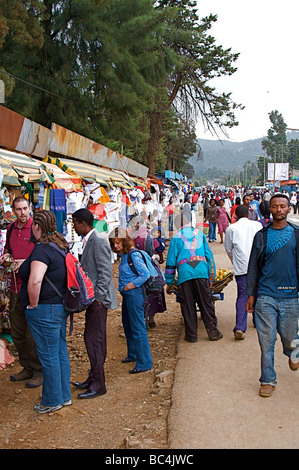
x=44, y=310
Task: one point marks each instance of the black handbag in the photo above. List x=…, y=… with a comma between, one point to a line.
x=152, y=285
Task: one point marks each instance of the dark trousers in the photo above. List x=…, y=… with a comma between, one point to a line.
x=241, y=313
x=22, y=337
x=96, y=345
x=197, y=292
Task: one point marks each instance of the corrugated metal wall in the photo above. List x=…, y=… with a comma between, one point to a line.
x=21, y=134
x=68, y=143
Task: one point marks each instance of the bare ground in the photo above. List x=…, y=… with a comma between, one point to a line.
x=133, y=413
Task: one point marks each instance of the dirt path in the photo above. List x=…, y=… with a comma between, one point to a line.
x=215, y=401
x=133, y=414
x=197, y=396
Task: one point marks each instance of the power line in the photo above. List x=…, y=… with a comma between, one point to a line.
x=35, y=86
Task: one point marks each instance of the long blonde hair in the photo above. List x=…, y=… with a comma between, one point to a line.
x=46, y=221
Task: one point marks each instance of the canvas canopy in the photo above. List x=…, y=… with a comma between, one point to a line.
x=24, y=168
x=90, y=173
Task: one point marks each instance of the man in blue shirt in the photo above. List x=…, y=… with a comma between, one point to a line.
x=273, y=276
x=254, y=203
x=190, y=255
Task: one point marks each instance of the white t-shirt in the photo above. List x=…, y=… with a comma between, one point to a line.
x=238, y=243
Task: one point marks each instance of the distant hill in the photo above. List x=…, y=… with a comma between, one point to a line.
x=226, y=155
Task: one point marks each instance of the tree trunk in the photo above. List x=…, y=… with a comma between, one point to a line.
x=156, y=121
x=153, y=143
x=170, y=162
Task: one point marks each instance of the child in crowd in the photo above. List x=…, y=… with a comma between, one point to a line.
x=158, y=234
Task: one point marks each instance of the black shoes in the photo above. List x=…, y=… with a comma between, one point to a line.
x=127, y=359
x=81, y=385
x=190, y=340
x=91, y=394
x=214, y=335
x=137, y=371
x=88, y=393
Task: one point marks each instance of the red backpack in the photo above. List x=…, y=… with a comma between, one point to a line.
x=79, y=293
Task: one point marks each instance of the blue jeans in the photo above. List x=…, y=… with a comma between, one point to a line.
x=135, y=329
x=47, y=323
x=274, y=316
x=170, y=223
x=212, y=231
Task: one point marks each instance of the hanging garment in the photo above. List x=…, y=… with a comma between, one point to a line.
x=58, y=207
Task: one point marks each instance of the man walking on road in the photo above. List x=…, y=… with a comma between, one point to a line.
x=190, y=254
x=237, y=244
x=273, y=273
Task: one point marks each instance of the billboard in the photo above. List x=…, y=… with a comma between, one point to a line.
x=281, y=171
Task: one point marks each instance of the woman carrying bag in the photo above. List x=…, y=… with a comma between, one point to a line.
x=133, y=294
x=223, y=219
x=44, y=310
x=212, y=218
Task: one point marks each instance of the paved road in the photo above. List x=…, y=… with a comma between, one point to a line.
x=215, y=394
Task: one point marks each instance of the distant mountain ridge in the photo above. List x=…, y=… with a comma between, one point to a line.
x=225, y=155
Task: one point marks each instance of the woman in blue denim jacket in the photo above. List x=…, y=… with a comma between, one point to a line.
x=44, y=310
x=131, y=288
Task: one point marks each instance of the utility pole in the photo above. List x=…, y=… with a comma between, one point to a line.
x=264, y=157
x=274, y=169
x=245, y=174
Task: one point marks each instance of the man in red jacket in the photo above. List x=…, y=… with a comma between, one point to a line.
x=20, y=246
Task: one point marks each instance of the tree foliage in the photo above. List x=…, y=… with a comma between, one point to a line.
x=277, y=147
x=190, y=58
x=19, y=25
x=131, y=74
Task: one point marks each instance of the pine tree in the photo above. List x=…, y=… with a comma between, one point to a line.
x=91, y=73
x=190, y=59
x=130, y=73
x=20, y=26
x=275, y=144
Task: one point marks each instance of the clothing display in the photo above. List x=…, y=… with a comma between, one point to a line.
x=113, y=205
x=58, y=207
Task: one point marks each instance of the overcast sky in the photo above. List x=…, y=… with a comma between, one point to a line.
x=266, y=34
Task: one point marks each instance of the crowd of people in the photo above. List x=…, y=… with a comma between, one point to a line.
x=263, y=248
x=261, y=244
